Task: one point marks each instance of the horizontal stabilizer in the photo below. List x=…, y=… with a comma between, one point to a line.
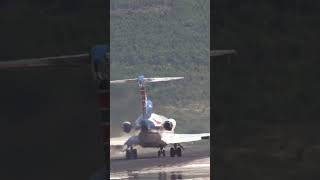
x=146, y=80
x=162, y=79
x=122, y=81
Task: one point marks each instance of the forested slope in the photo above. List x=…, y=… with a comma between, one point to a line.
x=162, y=38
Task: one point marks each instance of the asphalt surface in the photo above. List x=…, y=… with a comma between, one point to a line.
x=194, y=164
x=148, y=162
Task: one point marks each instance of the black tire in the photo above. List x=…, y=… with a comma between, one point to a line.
x=128, y=154
x=163, y=153
x=134, y=154
x=172, y=152
x=178, y=151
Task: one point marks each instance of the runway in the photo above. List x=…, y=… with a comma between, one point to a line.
x=194, y=164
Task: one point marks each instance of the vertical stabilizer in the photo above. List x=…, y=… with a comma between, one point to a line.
x=143, y=95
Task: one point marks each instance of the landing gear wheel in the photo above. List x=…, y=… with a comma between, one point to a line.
x=134, y=154
x=131, y=154
x=127, y=154
x=172, y=152
x=178, y=151
x=163, y=153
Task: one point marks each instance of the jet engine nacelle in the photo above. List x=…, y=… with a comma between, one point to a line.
x=169, y=124
x=126, y=126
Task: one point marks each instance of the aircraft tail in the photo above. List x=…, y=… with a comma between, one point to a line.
x=146, y=104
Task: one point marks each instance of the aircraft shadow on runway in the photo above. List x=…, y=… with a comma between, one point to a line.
x=143, y=157
x=160, y=175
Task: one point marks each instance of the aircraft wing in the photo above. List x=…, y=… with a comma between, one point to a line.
x=57, y=61
x=118, y=141
x=97, y=54
x=222, y=52
x=181, y=138
x=121, y=141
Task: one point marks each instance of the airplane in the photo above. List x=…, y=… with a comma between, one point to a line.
x=153, y=130
x=98, y=58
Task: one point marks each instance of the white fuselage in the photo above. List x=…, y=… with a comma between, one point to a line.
x=153, y=137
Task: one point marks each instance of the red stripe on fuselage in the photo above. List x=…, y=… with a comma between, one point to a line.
x=156, y=122
x=142, y=92
x=143, y=97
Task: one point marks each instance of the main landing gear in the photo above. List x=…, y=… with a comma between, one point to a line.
x=176, y=150
x=161, y=152
x=131, y=153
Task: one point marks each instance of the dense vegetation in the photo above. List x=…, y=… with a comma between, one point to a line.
x=162, y=38
x=266, y=99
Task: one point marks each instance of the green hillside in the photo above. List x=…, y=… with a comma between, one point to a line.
x=161, y=38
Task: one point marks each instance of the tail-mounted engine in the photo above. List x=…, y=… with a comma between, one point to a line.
x=169, y=125
x=126, y=126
